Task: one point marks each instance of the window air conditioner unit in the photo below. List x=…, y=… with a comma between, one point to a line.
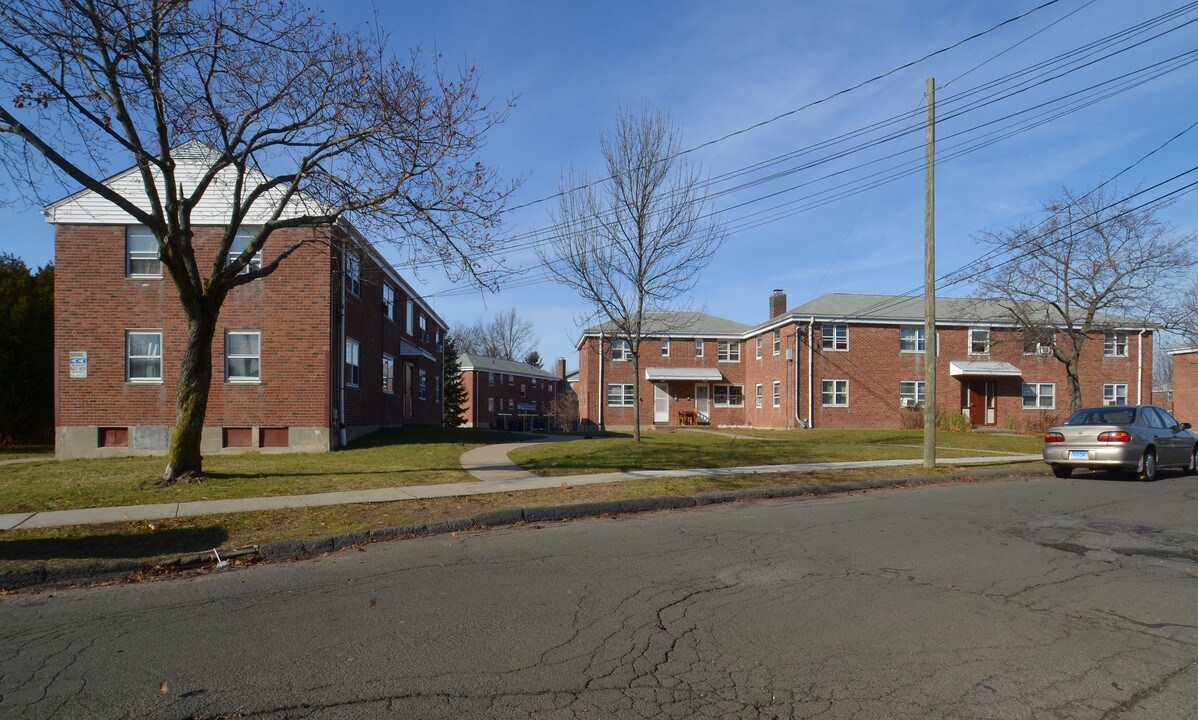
x=1044, y=349
x=907, y=402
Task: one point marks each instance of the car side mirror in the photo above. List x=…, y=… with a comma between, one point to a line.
x=1186, y=426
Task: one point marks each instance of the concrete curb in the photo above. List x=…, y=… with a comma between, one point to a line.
x=298, y=549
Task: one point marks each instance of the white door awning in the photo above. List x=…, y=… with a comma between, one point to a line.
x=690, y=374
x=983, y=368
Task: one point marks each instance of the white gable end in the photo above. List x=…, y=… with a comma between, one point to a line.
x=192, y=162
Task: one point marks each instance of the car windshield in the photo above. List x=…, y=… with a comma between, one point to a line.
x=1103, y=416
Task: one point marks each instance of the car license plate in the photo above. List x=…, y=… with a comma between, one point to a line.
x=1079, y=455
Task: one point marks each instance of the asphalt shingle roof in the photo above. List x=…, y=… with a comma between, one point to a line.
x=852, y=306
x=684, y=323
x=511, y=367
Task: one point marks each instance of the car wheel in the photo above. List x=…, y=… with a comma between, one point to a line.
x=1061, y=471
x=1148, y=466
x=1192, y=468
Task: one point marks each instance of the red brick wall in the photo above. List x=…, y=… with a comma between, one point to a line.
x=376, y=334
x=296, y=310
x=95, y=303
x=508, y=391
x=1185, y=387
x=873, y=365
x=682, y=355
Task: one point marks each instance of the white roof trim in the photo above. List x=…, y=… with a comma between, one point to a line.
x=696, y=374
x=987, y=368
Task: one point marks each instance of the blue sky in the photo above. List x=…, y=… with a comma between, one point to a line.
x=723, y=67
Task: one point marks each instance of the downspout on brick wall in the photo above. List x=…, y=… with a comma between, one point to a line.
x=341, y=352
x=1140, y=365
x=810, y=372
x=601, y=394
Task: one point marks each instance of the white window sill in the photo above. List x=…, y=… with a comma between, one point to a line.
x=138, y=381
x=244, y=381
x=143, y=277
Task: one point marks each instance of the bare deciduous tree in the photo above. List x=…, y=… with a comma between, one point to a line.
x=1091, y=257
x=343, y=128
x=506, y=336
x=635, y=242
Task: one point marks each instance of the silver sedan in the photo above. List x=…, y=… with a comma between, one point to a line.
x=1131, y=438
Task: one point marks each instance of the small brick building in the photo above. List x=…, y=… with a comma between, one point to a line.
x=1185, y=383
x=846, y=360
x=332, y=345
x=509, y=394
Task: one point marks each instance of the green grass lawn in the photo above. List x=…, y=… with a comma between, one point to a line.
x=158, y=539
x=671, y=449
x=21, y=452
x=388, y=458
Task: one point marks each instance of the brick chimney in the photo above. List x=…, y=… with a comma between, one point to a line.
x=777, y=303
x=561, y=368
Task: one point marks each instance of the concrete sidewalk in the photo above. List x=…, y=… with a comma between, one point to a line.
x=490, y=464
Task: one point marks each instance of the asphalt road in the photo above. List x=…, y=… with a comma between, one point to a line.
x=1010, y=599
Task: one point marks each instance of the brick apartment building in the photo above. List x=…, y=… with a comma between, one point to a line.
x=331, y=346
x=502, y=392
x=1185, y=383
x=846, y=360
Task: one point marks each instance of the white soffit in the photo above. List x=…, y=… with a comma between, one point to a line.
x=983, y=368
x=695, y=374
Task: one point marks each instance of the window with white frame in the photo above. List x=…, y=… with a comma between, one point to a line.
x=143, y=353
x=353, y=272
x=490, y=404
x=834, y=337
x=141, y=253
x=911, y=393
x=408, y=318
x=388, y=374
x=778, y=341
x=1039, y=395
x=423, y=323
x=728, y=395
x=1114, y=394
x=1038, y=341
x=834, y=393
x=727, y=351
x=758, y=395
x=511, y=404
x=491, y=379
x=698, y=347
x=437, y=388
x=351, y=362
x=911, y=339
x=1114, y=343
x=619, y=395
x=665, y=347
x=620, y=350
x=511, y=379
x=241, y=240
x=388, y=302
x=777, y=393
x=422, y=385
x=522, y=389
x=979, y=341
x=243, y=356
x=758, y=338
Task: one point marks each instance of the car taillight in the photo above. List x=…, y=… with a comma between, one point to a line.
x=1053, y=437
x=1118, y=436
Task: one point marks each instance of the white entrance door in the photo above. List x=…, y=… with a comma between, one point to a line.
x=703, y=404
x=661, y=403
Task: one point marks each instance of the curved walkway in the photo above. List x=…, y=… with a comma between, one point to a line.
x=489, y=464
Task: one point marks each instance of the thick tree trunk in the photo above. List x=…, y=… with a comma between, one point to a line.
x=184, y=461
x=636, y=397
x=1075, y=385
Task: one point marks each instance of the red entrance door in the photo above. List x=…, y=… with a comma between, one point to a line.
x=979, y=397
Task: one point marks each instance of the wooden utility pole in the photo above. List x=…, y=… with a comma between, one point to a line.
x=929, y=285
